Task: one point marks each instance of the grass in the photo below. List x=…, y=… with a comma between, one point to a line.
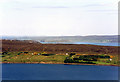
x=12, y=57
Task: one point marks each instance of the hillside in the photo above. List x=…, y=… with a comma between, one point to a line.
x=16, y=45
x=28, y=45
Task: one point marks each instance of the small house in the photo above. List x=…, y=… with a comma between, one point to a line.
x=110, y=59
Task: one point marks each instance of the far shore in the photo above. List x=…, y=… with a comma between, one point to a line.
x=55, y=63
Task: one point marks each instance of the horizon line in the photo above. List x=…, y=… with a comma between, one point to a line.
x=55, y=35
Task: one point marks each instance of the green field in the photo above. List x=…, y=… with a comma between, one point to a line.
x=18, y=57
x=13, y=57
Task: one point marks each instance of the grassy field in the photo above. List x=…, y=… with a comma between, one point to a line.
x=13, y=57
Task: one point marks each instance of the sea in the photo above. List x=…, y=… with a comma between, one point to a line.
x=58, y=72
x=100, y=43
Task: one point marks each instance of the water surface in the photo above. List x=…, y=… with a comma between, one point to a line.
x=102, y=44
x=58, y=72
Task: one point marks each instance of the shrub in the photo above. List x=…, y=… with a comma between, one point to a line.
x=5, y=60
x=67, y=60
x=3, y=53
x=75, y=58
x=71, y=54
x=48, y=54
x=19, y=53
x=108, y=61
x=3, y=56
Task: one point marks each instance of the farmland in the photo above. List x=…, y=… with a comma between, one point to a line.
x=15, y=51
x=15, y=57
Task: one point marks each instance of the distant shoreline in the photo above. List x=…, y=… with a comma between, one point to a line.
x=56, y=63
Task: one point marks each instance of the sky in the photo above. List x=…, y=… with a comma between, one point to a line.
x=58, y=17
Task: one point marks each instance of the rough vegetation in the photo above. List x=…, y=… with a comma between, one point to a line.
x=15, y=51
x=16, y=45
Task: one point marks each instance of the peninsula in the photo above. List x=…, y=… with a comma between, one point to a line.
x=28, y=51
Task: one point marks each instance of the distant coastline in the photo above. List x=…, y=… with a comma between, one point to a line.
x=69, y=39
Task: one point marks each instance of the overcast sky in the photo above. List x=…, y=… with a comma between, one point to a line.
x=58, y=17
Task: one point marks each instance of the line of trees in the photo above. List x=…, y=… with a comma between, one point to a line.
x=85, y=59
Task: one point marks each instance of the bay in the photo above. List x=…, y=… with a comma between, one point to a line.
x=101, y=44
x=58, y=72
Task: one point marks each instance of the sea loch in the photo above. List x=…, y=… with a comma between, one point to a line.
x=58, y=72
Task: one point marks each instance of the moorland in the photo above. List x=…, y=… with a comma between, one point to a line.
x=29, y=51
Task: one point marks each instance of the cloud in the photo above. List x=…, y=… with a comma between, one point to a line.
x=58, y=17
x=102, y=10
x=93, y=5
x=49, y=7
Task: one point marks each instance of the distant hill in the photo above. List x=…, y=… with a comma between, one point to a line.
x=95, y=38
x=16, y=45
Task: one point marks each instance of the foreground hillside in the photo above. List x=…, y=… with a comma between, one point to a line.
x=17, y=45
x=16, y=51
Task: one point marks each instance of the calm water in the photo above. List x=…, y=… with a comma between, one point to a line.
x=58, y=72
x=103, y=44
